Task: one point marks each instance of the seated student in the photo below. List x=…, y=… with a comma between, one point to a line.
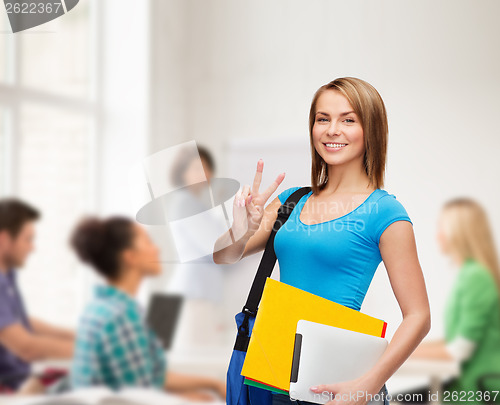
x=472, y=310
x=23, y=339
x=114, y=346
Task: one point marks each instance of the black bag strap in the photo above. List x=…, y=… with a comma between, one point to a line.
x=268, y=260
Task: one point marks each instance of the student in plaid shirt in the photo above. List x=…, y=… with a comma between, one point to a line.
x=114, y=346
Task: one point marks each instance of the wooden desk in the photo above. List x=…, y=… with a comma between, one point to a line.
x=211, y=361
x=39, y=366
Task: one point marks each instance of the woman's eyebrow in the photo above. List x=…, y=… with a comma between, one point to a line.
x=346, y=113
x=341, y=114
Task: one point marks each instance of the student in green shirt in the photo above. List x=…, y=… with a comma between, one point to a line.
x=472, y=310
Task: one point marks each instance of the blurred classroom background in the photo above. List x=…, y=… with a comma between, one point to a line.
x=85, y=97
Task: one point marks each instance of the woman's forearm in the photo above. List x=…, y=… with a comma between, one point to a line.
x=43, y=328
x=229, y=248
x=407, y=337
x=434, y=343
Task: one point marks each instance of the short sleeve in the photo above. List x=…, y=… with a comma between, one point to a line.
x=384, y=212
x=287, y=193
x=477, y=298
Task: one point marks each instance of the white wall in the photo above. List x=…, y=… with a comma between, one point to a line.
x=122, y=94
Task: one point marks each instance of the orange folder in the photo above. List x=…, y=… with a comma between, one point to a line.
x=270, y=350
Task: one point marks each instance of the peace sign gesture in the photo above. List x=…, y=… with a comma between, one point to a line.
x=248, y=206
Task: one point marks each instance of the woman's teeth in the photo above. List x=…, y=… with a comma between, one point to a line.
x=335, y=145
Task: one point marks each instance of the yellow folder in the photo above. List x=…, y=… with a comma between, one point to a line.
x=270, y=350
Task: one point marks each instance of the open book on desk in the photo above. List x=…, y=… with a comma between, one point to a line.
x=105, y=396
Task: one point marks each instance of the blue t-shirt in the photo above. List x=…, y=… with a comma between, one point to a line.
x=336, y=259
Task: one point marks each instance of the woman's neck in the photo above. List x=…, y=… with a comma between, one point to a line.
x=129, y=282
x=347, y=179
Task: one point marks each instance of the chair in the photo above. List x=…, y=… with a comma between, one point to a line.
x=494, y=397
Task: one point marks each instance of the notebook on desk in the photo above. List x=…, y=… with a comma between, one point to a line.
x=326, y=354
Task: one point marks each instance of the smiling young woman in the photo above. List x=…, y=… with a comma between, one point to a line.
x=339, y=232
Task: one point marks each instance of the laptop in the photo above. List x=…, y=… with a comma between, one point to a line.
x=326, y=354
x=162, y=316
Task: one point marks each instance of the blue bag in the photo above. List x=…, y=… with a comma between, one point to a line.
x=237, y=392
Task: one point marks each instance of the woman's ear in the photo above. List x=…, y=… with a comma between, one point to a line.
x=5, y=238
x=128, y=258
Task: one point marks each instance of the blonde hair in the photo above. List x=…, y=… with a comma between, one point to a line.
x=369, y=107
x=467, y=230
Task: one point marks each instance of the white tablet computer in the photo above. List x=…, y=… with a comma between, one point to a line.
x=325, y=354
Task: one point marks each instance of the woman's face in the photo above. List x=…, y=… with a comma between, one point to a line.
x=144, y=254
x=337, y=132
x=198, y=171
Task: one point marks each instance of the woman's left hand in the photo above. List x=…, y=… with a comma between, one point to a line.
x=352, y=392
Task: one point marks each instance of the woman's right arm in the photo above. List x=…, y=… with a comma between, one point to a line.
x=252, y=224
x=249, y=243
